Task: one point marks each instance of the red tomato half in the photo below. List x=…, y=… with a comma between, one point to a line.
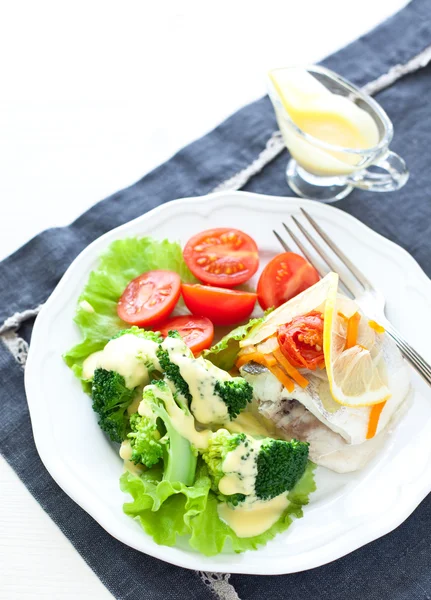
x=223, y=307
x=197, y=332
x=224, y=257
x=301, y=340
x=285, y=276
x=149, y=298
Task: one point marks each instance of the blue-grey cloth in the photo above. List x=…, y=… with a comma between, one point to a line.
x=396, y=567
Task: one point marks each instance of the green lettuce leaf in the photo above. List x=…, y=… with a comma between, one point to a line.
x=124, y=260
x=210, y=535
x=168, y=511
x=224, y=353
x=165, y=509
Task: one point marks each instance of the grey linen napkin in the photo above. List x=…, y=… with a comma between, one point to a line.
x=396, y=567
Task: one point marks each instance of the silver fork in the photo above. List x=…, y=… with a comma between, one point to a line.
x=370, y=300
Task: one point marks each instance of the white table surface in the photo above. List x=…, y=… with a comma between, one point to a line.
x=94, y=95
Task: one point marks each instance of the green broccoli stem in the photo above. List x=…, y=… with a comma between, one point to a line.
x=180, y=459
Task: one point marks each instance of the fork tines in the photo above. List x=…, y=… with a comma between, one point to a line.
x=321, y=248
x=352, y=279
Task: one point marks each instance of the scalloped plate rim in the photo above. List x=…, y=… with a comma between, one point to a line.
x=145, y=544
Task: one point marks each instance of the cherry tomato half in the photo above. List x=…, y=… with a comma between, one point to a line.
x=197, y=332
x=285, y=276
x=149, y=298
x=301, y=340
x=224, y=257
x=223, y=307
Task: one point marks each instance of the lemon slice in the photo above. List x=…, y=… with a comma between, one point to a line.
x=313, y=298
x=354, y=378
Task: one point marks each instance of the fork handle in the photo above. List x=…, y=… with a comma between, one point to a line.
x=414, y=358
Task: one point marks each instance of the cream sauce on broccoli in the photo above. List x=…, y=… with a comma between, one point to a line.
x=183, y=422
x=132, y=408
x=201, y=377
x=126, y=450
x=241, y=469
x=254, y=518
x=126, y=454
x=90, y=364
x=129, y=355
x=133, y=357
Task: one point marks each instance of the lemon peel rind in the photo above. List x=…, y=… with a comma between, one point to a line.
x=361, y=404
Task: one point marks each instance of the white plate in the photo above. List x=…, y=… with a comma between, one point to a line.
x=347, y=511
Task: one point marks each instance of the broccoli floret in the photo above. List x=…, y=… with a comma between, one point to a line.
x=178, y=454
x=111, y=399
x=236, y=393
x=172, y=371
x=278, y=464
x=154, y=336
x=220, y=444
x=145, y=439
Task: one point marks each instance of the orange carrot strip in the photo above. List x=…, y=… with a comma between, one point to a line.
x=373, y=421
x=263, y=359
x=352, y=330
x=268, y=361
x=290, y=369
x=251, y=356
x=282, y=377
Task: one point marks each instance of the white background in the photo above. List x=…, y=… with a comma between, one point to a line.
x=93, y=94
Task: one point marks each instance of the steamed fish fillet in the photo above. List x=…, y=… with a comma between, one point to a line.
x=337, y=435
x=293, y=420
x=327, y=449
x=364, y=383
x=351, y=423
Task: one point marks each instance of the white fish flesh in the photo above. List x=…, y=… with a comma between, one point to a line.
x=336, y=434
